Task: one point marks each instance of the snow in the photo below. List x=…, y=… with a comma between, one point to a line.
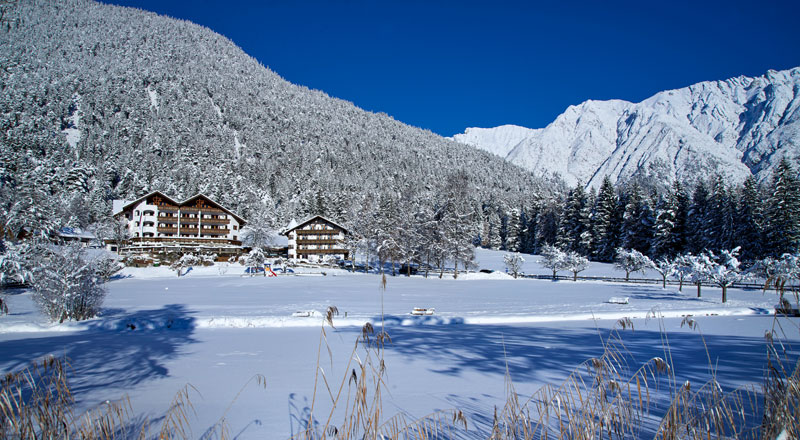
x=73, y=131
x=734, y=127
x=215, y=329
x=153, y=98
x=237, y=146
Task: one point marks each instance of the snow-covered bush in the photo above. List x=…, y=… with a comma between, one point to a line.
x=208, y=259
x=138, y=260
x=67, y=285
x=575, y=263
x=723, y=269
x=631, y=261
x=553, y=258
x=777, y=272
x=513, y=264
x=184, y=262
x=107, y=266
x=13, y=267
x=256, y=258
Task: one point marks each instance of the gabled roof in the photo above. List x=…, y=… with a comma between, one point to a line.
x=134, y=202
x=183, y=203
x=228, y=211
x=309, y=220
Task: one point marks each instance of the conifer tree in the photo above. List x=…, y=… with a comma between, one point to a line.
x=637, y=221
x=749, y=220
x=606, y=222
x=698, y=219
x=783, y=211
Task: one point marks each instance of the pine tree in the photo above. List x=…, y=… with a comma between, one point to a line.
x=697, y=219
x=783, y=211
x=606, y=222
x=718, y=224
x=749, y=220
x=637, y=221
x=575, y=221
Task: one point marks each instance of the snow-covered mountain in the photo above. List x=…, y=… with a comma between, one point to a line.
x=736, y=127
x=102, y=102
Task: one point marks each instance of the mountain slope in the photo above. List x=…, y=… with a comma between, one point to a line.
x=101, y=102
x=736, y=127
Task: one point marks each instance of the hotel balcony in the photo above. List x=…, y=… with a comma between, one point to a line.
x=195, y=209
x=185, y=230
x=168, y=229
x=215, y=221
x=316, y=231
x=320, y=241
x=215, y=231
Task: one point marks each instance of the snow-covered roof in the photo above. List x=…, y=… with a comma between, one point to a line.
x=290, y=228
x=292, y=224
x=128, y=204
x=75, y=233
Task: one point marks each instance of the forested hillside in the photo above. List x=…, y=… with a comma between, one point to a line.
x=102, y=102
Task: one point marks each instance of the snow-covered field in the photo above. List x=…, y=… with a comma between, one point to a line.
x=215, y=329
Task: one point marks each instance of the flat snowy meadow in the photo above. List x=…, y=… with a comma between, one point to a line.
x=215, y=330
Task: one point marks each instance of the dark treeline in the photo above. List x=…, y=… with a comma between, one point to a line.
x=764, y=219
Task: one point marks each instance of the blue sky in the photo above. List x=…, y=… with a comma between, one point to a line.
x=445, y=66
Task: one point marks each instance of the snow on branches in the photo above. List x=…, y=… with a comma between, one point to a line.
x=67, y=283
x=631, y=261
x=513, y=264
x=555, y=259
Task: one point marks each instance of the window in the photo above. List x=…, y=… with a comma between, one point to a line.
x=235, y=227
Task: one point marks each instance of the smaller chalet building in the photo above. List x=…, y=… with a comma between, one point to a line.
x=315, y=238
x=158, y=224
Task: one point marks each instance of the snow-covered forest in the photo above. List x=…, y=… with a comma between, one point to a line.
x=764, y=219
x=101, y=102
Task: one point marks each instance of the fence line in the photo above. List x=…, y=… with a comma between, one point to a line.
x=639, y=281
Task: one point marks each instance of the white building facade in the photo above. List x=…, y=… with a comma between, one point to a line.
x=156, y=223
x=315, y=239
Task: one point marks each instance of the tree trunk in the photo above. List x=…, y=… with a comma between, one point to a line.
x=724, y=294
x=554, y=274
x=664, y=281
x=627, y=275
x=455, y=268
x=408, y=271
x=427, y=263
x=698, y=289
x=574, y=276
x=680, y=285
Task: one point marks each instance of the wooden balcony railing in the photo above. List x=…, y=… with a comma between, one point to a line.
x=188, y=230
x=319, y=241
x=167, y=229
x=167, y=208
x=215, y=231
x=215, y=221
x=316, y=231
x=165, y=219
x=321, y=251
x=196, y=209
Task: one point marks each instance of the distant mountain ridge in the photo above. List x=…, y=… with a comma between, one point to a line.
x=736, y=127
